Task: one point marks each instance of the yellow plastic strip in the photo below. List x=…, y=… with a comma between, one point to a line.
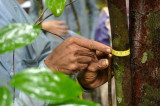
x=80, y=96
x=120, y=53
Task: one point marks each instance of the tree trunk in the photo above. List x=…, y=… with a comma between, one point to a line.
x=145, y=57
x=120, y=42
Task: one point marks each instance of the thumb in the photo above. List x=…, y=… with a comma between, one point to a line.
x=99, y=65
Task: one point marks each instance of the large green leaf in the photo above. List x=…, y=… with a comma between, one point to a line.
x=56, y=6
x=5, y=97
x=17, y=35
x=77, y=102
x=46, y=85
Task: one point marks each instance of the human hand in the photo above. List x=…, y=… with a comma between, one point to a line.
x=96, y=73
x=74, y=54
x=55, y=27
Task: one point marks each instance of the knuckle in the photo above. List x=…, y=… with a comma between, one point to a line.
x=87, y=60
x=72, y=48
x=90, y=59
x=72, y=59
x=99, y=66
x=103, y=64
x=73, y=67
x=91, y=45
x=83, y=67
x=72, y=40
x=91, y=68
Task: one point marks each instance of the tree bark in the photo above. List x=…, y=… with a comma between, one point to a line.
x=120, y=42
x=145, y=51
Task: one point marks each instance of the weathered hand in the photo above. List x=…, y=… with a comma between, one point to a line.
x=74, y=55
x=55, y=27
x=95, y=75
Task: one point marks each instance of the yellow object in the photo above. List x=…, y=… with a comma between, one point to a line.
x=120, y=53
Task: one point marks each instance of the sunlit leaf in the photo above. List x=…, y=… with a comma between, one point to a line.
x=46, y=85
x=17, y=35
x=5, y=97
x=77, y=102
x=56, y=6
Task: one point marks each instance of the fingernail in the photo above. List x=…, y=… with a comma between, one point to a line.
x=108, y=50
x=105, y=63
x=110, y=55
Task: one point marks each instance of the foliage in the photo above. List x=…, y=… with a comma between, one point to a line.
x=56, y=6
x=17, y=35
x=5, y=97
x=76, y=102
x=46, y=85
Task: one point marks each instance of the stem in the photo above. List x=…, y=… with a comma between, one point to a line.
x=13, y=73
x=110, y=83
x=52, y=13
x=70, y=3
x=13, y=62
x=55, y=34
x=76, y=16
x=40, y=16
x=44, y=19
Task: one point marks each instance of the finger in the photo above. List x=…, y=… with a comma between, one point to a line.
x=99, y=82
x=110, y=55
x=85, y=52
x=82, y=67
x=93, y=45
x=63, y=27
x=59, y=22
x=99, y=65
x=101, y=78
x=84, y=59
x=99, y=53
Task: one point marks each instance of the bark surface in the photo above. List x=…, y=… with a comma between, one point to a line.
x=145, y=51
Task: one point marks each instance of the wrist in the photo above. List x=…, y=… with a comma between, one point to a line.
x=45, y=25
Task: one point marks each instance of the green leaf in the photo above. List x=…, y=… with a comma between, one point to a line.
x=5, y=97
x=76, y=102
x=17, y=35
x=46, y=85
x=56, y=6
